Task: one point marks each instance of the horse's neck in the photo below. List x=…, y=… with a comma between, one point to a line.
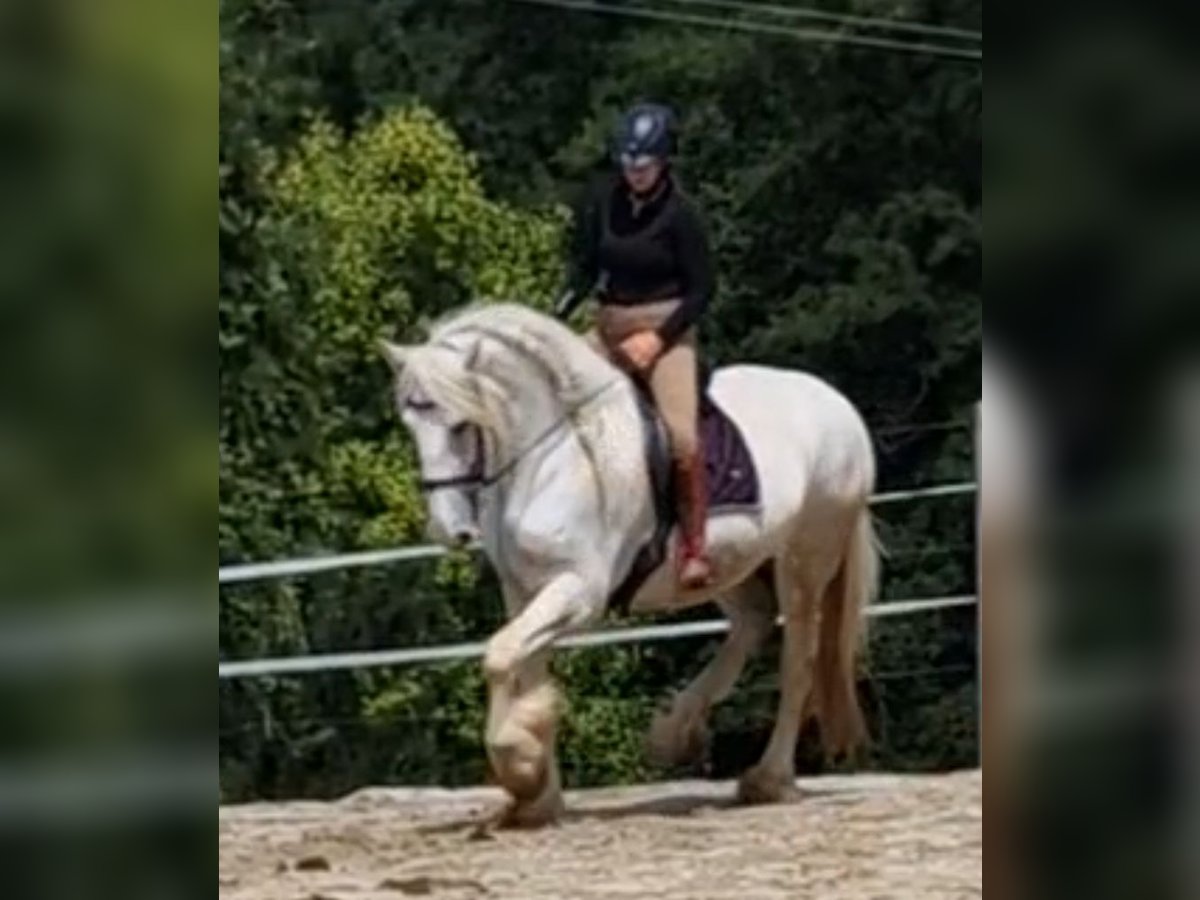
x=619, y=455
x=578, y=467
x=590, y=471
x=535, y=413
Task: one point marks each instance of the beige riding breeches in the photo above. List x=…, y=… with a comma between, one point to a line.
x=672, y=380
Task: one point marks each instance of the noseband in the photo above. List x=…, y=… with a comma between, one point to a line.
x=473, y=478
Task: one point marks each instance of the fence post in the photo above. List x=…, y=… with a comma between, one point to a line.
x=978, y=460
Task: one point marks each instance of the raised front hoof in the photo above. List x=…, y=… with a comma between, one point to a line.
x=521, y=752
x=675, y=743
x=758, y=786
x=522, y=772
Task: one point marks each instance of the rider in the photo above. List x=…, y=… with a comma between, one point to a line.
x=642, y=246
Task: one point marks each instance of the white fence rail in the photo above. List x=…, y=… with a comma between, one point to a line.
x=330, y=662
x=290, y=568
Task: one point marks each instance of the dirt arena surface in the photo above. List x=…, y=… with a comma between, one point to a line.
x=854, y=837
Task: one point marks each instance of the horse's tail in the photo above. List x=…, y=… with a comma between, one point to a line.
x=843, y=633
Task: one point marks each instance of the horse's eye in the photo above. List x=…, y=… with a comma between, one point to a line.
x=459, y=429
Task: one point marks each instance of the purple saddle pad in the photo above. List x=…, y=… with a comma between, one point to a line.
x=732, y=485
x=732, y=476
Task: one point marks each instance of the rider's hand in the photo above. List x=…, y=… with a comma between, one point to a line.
x=642, y=349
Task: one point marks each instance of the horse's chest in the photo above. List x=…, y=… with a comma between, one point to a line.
x=523, y=555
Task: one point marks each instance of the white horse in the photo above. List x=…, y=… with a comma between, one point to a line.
x=531, y=442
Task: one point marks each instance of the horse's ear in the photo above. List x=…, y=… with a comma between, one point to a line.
x=395, y=354
x=473, y=355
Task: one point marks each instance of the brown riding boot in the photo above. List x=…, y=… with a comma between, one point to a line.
x=695, y=570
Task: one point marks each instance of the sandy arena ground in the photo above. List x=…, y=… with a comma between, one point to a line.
x=855, y=837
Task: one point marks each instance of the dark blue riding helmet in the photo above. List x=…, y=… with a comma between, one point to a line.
x=644, y=133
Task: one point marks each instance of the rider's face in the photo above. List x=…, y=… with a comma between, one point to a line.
x=643, y=175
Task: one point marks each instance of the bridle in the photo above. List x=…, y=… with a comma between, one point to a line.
x=477, y=477
x=473, y=477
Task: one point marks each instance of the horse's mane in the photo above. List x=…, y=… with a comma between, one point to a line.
x=538, y=347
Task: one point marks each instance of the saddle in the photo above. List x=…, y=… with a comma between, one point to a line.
x=733, y=484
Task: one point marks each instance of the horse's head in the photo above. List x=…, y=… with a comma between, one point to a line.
x=450, y=444
x=490, y=385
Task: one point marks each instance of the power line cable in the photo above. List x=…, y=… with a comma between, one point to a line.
x=821, y=15
x=802, y=34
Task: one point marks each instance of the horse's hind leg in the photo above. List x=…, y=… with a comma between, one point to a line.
x=679, y=734
x=773, y=777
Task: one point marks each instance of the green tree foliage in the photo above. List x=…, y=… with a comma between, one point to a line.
x=356, y=236
x=381, y=163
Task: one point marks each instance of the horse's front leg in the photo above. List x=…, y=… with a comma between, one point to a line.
x=523, y=703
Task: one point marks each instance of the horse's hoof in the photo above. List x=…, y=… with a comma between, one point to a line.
x=671, y=744
x=537, y=814
x=524, y=775
x=758, y=786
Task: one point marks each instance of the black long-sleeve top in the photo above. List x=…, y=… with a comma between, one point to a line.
x=642, y=252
